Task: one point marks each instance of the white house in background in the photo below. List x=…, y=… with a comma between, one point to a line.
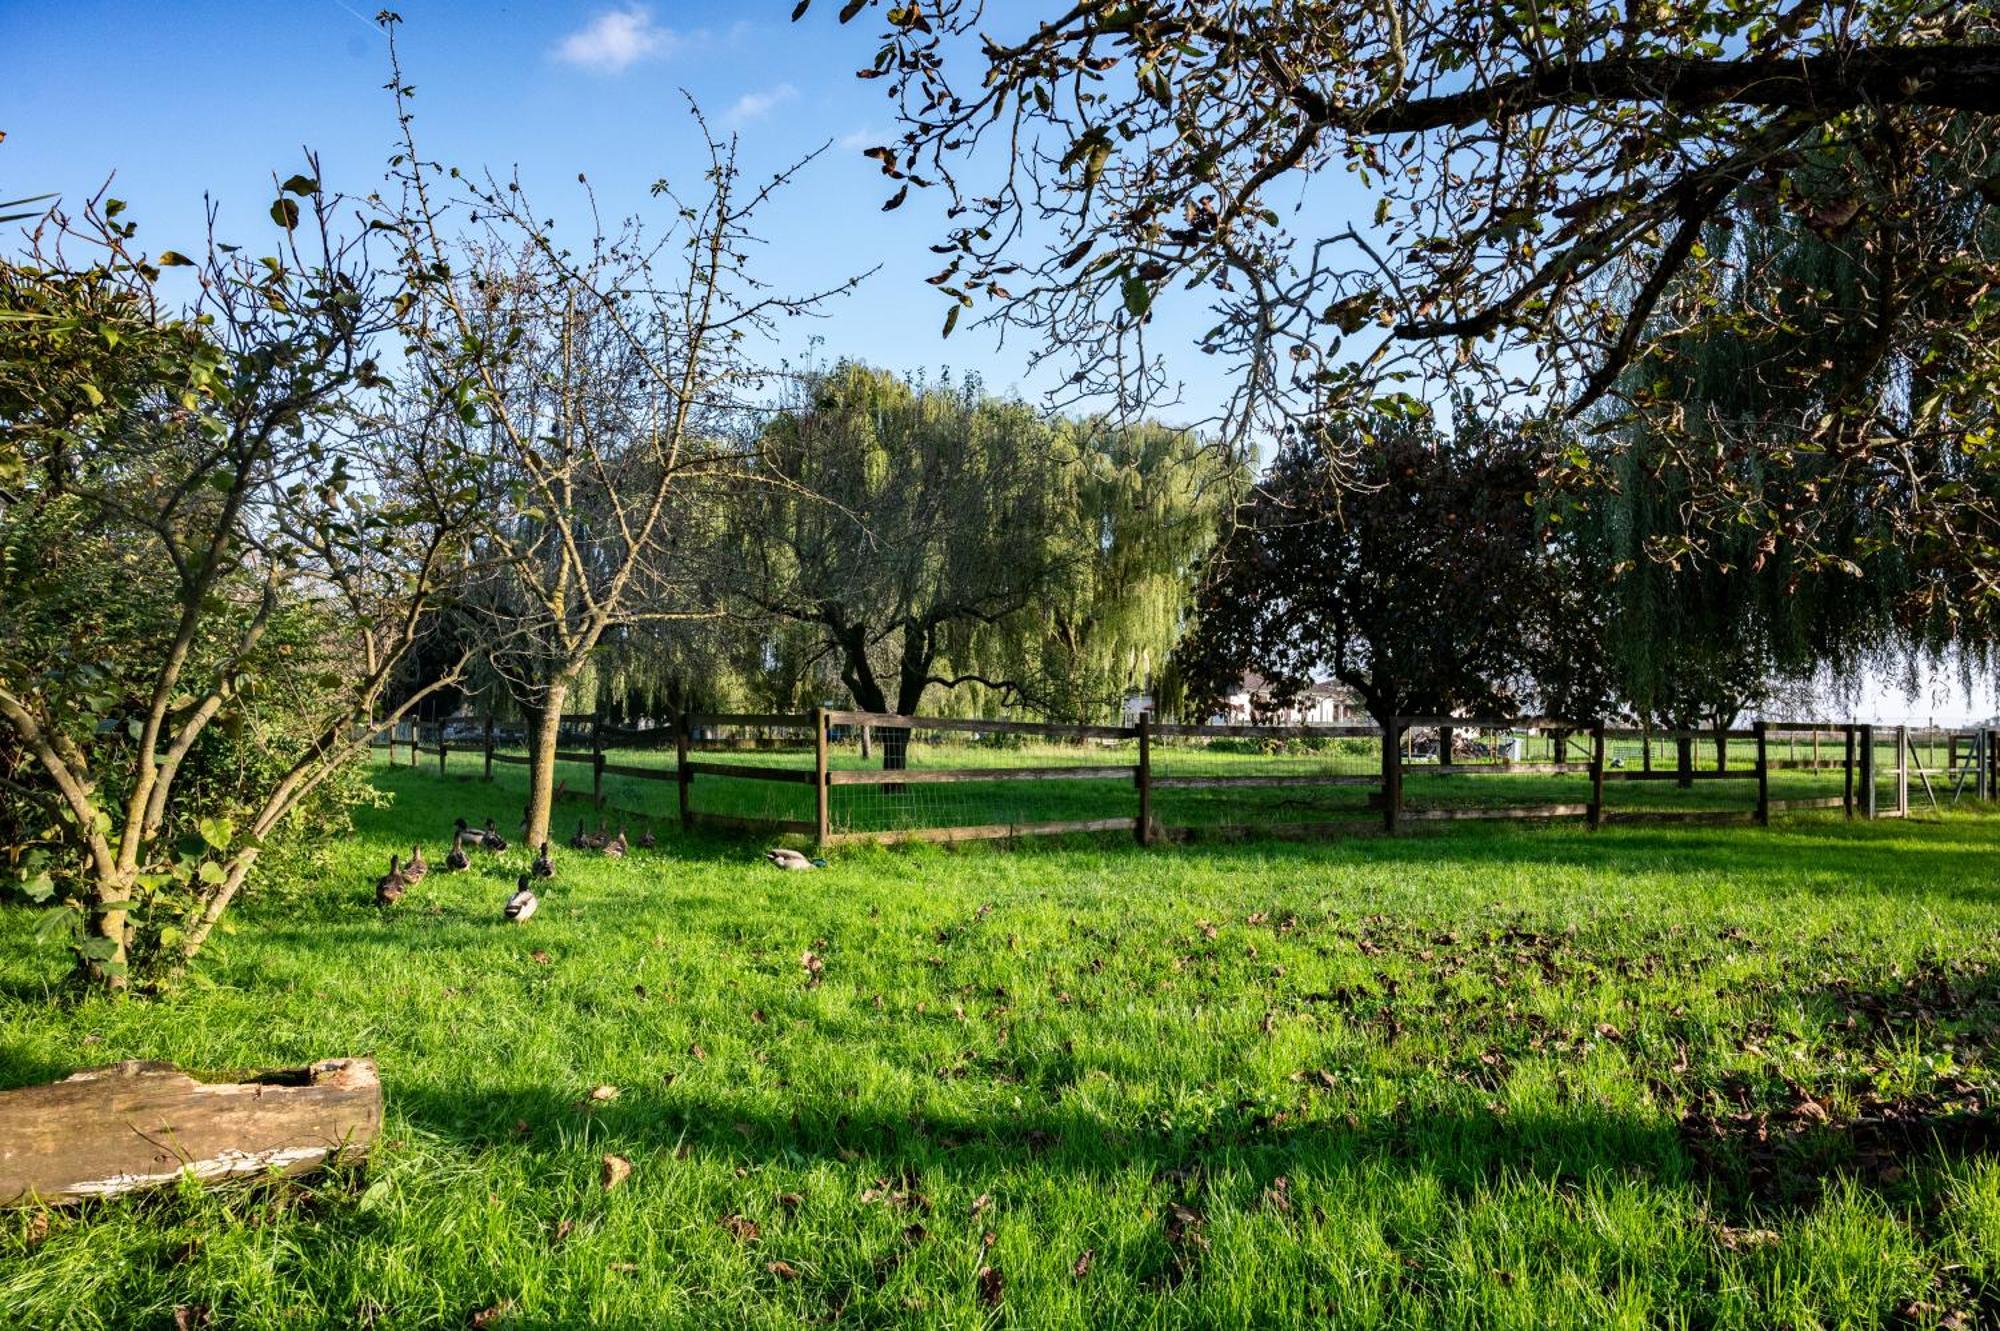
x=1324, y=703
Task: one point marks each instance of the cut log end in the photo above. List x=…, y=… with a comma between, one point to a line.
x=135, y=1125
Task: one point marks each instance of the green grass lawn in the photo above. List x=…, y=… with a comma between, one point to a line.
x=1479, y=1076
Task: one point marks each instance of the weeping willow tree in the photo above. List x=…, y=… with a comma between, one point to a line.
x=1709, y=617
x=1138, y=509
x=926, y=545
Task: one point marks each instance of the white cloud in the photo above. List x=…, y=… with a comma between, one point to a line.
x=615, y=40
x=859, y=139
x=756, y=105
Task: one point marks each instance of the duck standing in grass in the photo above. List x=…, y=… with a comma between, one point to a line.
x=581, y=841
x=414, y=871
x=616, y=847
x=792, y=859
x=522, y=904
x=457, y=860
x=646, y=838
x=389, y=888
x=543, y=867
x=494, y=841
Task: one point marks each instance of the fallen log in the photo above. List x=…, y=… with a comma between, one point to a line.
x=134, y=1125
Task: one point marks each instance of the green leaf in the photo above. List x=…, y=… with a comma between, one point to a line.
x=1138, y=297
x=211, y=873
x=94, y=393
x=951, y=320
x=303, y=186
x=97, y=949
x=174, y=259
x=216, y=832
x=285, y=213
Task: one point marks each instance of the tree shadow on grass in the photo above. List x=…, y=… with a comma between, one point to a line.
x=1747, y=1173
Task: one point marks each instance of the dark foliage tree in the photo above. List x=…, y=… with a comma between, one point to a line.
x=1407, y=584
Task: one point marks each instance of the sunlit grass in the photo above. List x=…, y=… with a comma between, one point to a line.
x=1434, y=1081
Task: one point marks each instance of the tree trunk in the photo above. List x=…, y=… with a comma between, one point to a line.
x=895, y=749
x=1684, y=761
x=544, y=737
x=106, y=940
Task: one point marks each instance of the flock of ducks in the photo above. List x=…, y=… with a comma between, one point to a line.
x=521, y=906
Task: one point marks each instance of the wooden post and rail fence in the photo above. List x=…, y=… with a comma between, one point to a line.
x=1397, y=748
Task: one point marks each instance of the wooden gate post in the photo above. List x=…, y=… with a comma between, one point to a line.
x=822, y=812
x=1902, y=771
x=1992, y=765
x=1143, y=829
x=1847, y=770
x=1392, y=776
x=489, y=747
x=1596, y=774
x=1763, y=774
x=1867, y=777
x=597, y=758
x=681, y=768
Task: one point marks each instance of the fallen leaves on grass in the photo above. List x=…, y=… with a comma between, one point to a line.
x=1081, y=1268
x=814, y=966
x=743, y=1229
x=616, y=1170
x=490, y=1316
x=992, y=1286
x=782, y=1270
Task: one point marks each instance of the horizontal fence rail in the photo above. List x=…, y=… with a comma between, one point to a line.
x=842, y=776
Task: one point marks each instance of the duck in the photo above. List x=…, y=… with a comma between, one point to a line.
x=414, y=871
x=522, y=904
x=792, y=859
x=543, y=867
x=389, y=888
x=600, y=838
x=647, y=840
x=581, y=841
x=494, y=841
x=616, y=847
x=458, y=859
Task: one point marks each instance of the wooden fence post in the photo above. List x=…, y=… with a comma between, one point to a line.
x=489, y=747
x=1143, y=829
x=681, y=768
x=1867, y=777
x=1902, y=771
x=1847, y=770
x=1992, y=765
x=1763, y=774
x=597, y=758
x=1392, y=776
x=441, y=748
x=822, y=813
x=1596, y=774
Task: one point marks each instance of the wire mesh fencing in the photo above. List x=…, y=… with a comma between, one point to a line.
x=834, y=776
x=950, y=779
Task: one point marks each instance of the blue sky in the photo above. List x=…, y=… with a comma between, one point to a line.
x=182, y=99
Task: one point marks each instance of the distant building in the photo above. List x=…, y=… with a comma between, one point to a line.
x=1323, y=703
